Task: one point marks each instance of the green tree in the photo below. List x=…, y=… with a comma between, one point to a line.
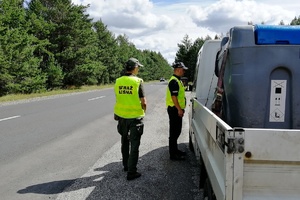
x=107, y=54
x=5, y=77
x=182, y=53
x=281, y=22
x=188, y=52
x=192, y=57
x=155, y=66
x=21, y=73
x=296, y=21
x=42, y=29
x=52, y=44
x=72, y=39
x=125, y=50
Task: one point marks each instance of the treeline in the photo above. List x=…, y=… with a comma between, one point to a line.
x=54, y=44
x=188, y=50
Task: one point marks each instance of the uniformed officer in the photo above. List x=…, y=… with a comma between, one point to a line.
x=176, y=102
x=129, y=110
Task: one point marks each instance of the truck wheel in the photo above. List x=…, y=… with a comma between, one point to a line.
x=202, y=173
x=208, y=193
x=191, y=147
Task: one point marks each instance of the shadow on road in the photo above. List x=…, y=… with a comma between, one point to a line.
x=54, y=187
x=161, y=179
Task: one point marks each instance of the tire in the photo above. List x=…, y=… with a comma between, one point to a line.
x=202, y=173
x=191, y=147
x=208, y=192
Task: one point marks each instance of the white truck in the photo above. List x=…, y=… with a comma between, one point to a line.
x=245, y=114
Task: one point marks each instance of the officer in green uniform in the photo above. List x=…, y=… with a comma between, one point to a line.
x=176, y=102
x=129, y=110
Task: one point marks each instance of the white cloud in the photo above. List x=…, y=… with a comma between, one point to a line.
x=160, y=27
x=224, y=14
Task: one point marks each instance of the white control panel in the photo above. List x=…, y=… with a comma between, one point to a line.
x=277, y=100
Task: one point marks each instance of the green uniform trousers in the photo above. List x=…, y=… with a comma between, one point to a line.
x=131, y=131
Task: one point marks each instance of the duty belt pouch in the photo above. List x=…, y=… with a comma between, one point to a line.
x=116, y=117
x=140, y=127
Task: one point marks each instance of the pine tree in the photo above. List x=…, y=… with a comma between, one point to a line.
x=296, y=21
x=20, y=68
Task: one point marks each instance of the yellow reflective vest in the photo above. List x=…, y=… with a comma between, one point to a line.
x=128, y=104
x=180, y=97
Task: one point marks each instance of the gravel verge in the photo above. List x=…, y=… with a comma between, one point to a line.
x=161, y=178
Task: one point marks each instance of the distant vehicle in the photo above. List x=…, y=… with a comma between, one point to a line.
x=162, y=80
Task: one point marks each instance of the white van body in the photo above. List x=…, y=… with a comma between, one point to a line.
x=205, y=80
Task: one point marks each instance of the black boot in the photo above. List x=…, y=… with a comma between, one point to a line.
x=133, y=175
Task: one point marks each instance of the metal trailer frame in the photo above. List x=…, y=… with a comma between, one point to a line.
x=244, y=163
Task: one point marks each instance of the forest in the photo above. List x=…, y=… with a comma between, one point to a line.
x=50, y=45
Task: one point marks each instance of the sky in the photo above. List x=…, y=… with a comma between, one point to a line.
x=160, y=25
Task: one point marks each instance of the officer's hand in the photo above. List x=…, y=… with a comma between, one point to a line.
x=180, y=113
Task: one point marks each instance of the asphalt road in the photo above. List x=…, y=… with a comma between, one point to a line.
x=67, y=147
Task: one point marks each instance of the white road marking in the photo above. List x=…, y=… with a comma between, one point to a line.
x=8, y=118
x=92, y=99
x=82, y=193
